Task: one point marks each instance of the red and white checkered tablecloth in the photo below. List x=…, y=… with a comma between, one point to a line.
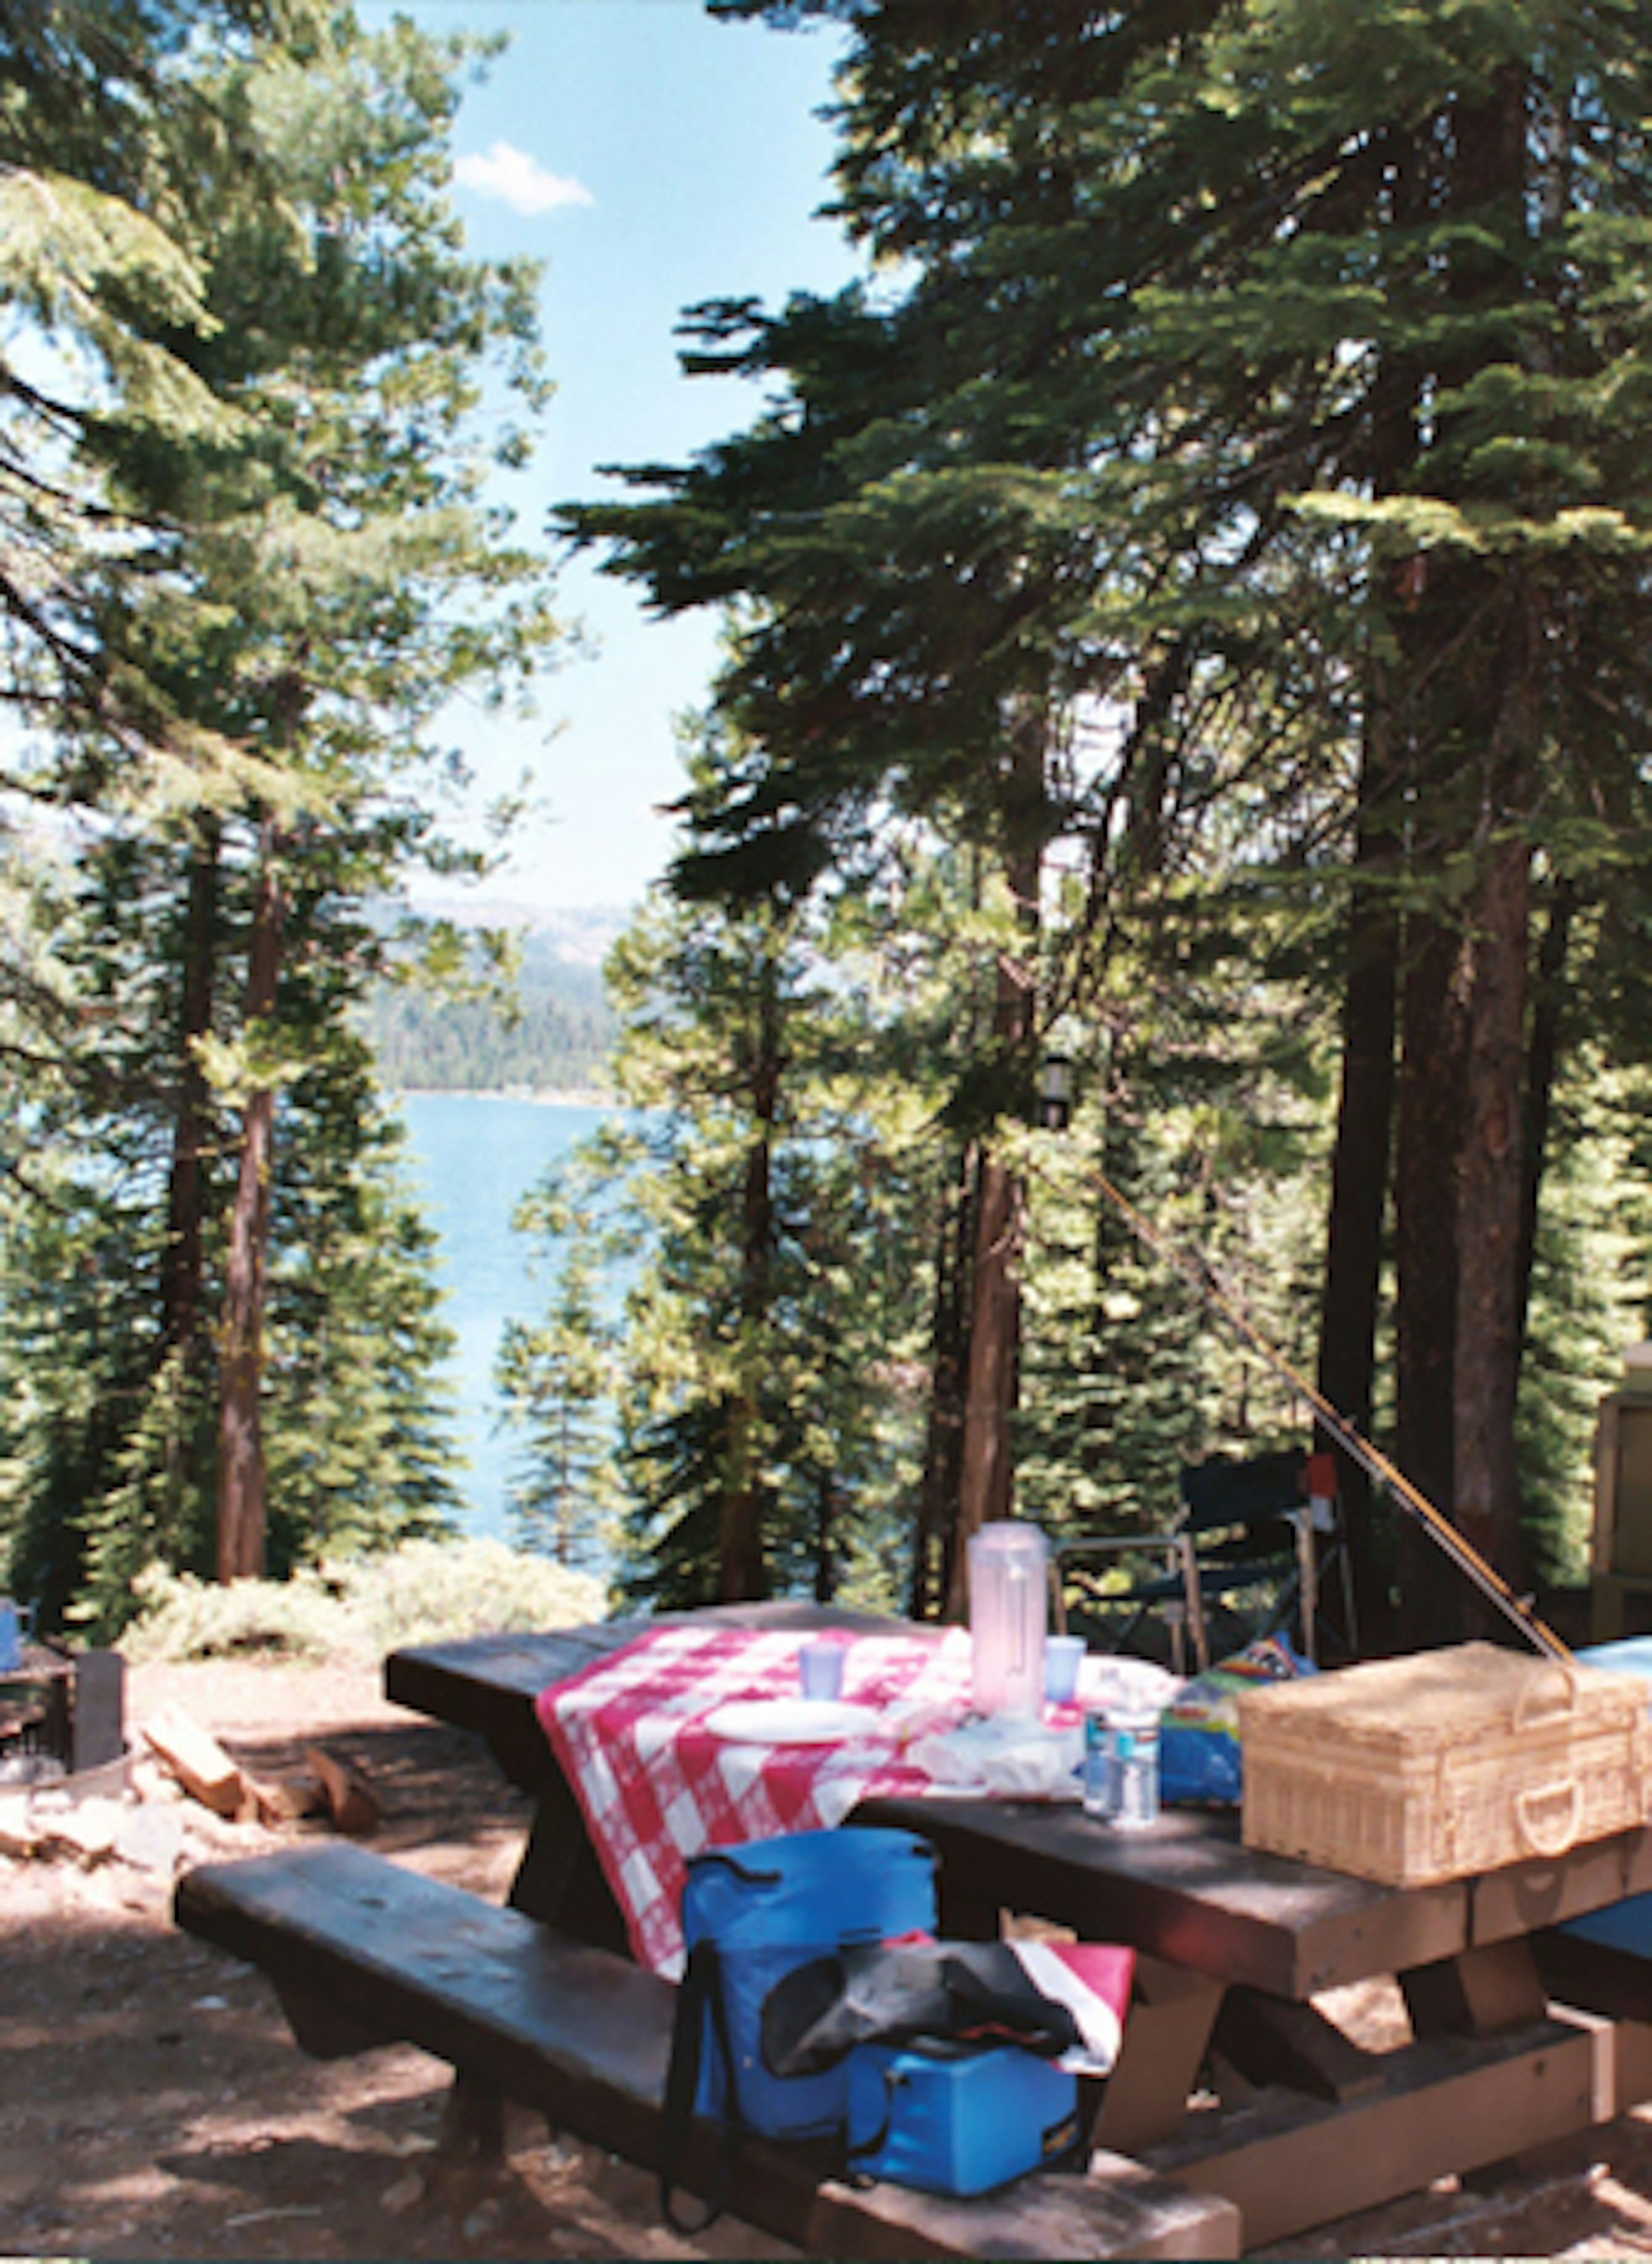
x=656, y=1786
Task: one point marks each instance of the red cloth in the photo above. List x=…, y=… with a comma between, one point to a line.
x=656, y=1786
x=1092, y=1979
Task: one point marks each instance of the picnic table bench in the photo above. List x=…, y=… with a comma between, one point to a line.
x=365, y=1952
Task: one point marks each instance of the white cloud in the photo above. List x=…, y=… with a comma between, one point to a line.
x=520, y=181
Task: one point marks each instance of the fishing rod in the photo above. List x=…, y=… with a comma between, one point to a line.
x=1201, y=1277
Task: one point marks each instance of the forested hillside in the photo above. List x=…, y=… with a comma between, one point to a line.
x=559, y=1041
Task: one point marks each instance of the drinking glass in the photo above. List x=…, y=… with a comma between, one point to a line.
x=820, y=1664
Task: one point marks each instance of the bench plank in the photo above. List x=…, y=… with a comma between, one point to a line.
x=585, y=2036
x=1292, y=2163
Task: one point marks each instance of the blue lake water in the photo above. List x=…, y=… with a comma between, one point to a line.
x=472, y=1158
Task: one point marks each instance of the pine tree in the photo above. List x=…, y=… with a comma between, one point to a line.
x=318, y=574
x=354, y=1425
x=769, y=1203
x=558, y=1379
x=1269, y=374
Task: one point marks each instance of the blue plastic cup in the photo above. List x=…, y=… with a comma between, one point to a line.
x=1064, y=1655
x=820, y=1667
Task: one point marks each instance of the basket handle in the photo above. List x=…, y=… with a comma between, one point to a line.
x=1531, y=1710
x=1555, y=1837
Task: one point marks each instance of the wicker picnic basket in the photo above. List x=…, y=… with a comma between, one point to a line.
x=1431, y=1767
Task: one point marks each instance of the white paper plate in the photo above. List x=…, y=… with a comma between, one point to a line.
x=791, y=1721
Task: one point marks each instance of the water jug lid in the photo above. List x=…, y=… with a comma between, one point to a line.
x=1009, y=1537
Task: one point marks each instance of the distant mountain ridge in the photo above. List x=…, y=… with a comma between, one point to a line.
x=565, y=1030
x=581, y=933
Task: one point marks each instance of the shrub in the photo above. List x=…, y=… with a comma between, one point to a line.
x=358, y=1607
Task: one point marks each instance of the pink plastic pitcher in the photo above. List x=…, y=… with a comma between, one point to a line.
x=1009, y=1590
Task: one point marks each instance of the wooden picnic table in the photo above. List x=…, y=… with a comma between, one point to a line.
x=1234, y=2074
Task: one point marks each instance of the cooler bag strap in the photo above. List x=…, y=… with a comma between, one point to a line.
x=699, y=2004
x=862, y=2150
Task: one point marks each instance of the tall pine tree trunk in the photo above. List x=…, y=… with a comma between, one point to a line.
x=944, y=1438
x=1359, y=1186
x=986, y=1478
x=1431, y=1098
x=183, y=1275
x=1458, y=1187
x=1487, y=1361
x=986, y=1487
x=1543, y=1056
x=1362, y=1160
x=241, y=1503
x=827, y=1503
x=743, y=1574
x=1492, y=1183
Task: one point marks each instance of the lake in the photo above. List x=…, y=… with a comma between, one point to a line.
x=472, y=1158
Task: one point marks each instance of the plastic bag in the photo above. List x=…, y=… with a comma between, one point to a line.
x=1201, y=1765
x=1107, y=1683
x=1003, y=1755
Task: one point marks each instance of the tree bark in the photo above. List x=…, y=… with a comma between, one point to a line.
x=1548, y=1008
x=1472, y=687
x=986, y=1485
x=1360, y=1182
x=1491, y=1191
x=1363, y=1156
x=1432, y=1072
x=243, y=1518
x=182, y=1286
x=944, y=1442
x=826, y=1501
x=1490, y=1199
x=986, y=1480
x=743, y=1574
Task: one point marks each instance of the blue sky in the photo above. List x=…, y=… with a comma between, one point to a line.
x=653, y=156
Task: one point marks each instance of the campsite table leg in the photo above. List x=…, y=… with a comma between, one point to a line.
x=560, y=1880
x=1172, y=2012
x=963, y=1911
x=1478, y=1992
x=473, y=2119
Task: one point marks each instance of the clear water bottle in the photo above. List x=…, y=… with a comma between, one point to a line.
x=1097, y=1779
x=1133, y=1771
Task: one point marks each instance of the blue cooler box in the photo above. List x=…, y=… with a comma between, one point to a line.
x=955, y=2120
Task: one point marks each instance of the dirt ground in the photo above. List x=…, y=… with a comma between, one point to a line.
x=155, y=2106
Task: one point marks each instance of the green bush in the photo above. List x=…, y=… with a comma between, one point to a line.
x=359, y=1608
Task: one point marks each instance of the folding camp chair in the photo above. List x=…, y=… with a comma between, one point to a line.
x=1246, y=1557
x=1264, y=1531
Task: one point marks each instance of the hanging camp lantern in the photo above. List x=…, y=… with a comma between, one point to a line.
x=1055, y=1092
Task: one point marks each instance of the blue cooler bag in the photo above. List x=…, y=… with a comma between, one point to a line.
x=750, y=1915
x=954, y=2118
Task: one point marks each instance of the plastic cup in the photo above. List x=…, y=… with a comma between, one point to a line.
x=820, y=1667
x=1064, y=1655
